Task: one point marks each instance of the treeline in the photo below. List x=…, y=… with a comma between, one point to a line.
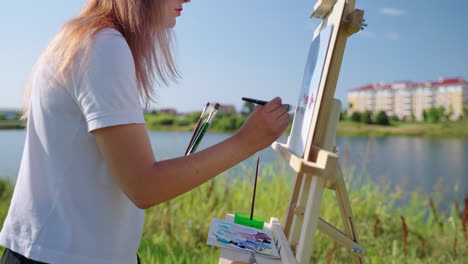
x=431, y=115
x=168, y=121
x=5, y=117
x=367, y=117
x=11, y=120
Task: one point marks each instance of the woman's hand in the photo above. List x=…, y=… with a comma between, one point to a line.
x=266, y=124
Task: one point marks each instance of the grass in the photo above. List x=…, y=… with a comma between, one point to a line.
x=11, y=124
x=417, y=129
x=176, y=231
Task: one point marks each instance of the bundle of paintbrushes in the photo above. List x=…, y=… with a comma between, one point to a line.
x=201, y=128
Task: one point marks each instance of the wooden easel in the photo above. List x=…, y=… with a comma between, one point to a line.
x=319, y=168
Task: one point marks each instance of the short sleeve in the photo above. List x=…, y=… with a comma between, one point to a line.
x=106, y=87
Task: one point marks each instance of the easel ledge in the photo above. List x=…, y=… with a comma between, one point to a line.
x=325, y=160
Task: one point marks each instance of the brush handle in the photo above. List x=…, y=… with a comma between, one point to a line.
x=255, y=190
x=195, y=132
x=199, y=137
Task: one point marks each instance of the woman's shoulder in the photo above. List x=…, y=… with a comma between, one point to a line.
x=109, y=36
x=110, y=42
x=109, y=33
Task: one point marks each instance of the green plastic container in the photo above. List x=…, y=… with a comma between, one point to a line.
x=244, y=219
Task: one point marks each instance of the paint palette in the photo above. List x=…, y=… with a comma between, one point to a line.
x=230, y=235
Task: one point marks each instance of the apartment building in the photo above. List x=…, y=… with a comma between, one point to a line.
x=408, y=100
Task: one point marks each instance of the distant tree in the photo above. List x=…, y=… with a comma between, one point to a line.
x=395, y=118
x=465, y=112
x=356, y=117
x=413, y=117
x=3, y=117
x=343, y=115
x=425, y=115
x=449, y=114
x=247, y=108
x=366, y=117
x=434, y=114
x=225, y=123
x=184, y=120
x=165, y=119
x=442, y=113
x=382, y=119
x=193, y=117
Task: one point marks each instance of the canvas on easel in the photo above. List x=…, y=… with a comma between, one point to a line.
x=311, y=151
x=309, y=89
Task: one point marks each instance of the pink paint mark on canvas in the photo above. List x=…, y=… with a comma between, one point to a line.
x=308, y=101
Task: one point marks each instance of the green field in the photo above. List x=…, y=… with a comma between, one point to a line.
x=176, y=231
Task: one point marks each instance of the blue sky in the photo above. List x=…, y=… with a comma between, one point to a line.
x=233, y=48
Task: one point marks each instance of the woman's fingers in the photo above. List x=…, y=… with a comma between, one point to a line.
x=273, y=104
x=266, y=123
x=278, y=112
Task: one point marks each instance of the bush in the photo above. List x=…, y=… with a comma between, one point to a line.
x=160, y=120
x=183, y=121
x=435, y=114
x=382, y=119
x=166, y=120
x=193, y=117
x=6, y=189
x=366, y=117
x=395, y=118
x=343, y=115
x=425, y=116
x=356, y=117
x=225, y=123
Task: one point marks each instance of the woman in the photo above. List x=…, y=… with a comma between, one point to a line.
x=88, y=170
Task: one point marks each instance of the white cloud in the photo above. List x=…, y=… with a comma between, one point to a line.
x=366, y=34
x=393, y=36
x=392, y=11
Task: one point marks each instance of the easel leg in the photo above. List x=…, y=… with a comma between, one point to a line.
x=311, y=218
x=298, y=210
x=346, y=211
x=292, y=204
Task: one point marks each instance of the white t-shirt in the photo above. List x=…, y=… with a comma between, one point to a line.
x=67, y=207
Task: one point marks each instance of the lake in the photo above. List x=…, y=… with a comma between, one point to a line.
x=434, y=166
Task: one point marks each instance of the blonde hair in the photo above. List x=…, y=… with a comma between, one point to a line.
x=143, y=25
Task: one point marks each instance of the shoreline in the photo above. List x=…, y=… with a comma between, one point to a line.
x=452, y=129
x=11, y=124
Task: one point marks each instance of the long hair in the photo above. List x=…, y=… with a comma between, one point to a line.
x=143, y=25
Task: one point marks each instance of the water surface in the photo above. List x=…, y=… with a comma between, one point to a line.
x=435, y=166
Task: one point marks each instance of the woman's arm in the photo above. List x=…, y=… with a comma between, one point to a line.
x=127, y=150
